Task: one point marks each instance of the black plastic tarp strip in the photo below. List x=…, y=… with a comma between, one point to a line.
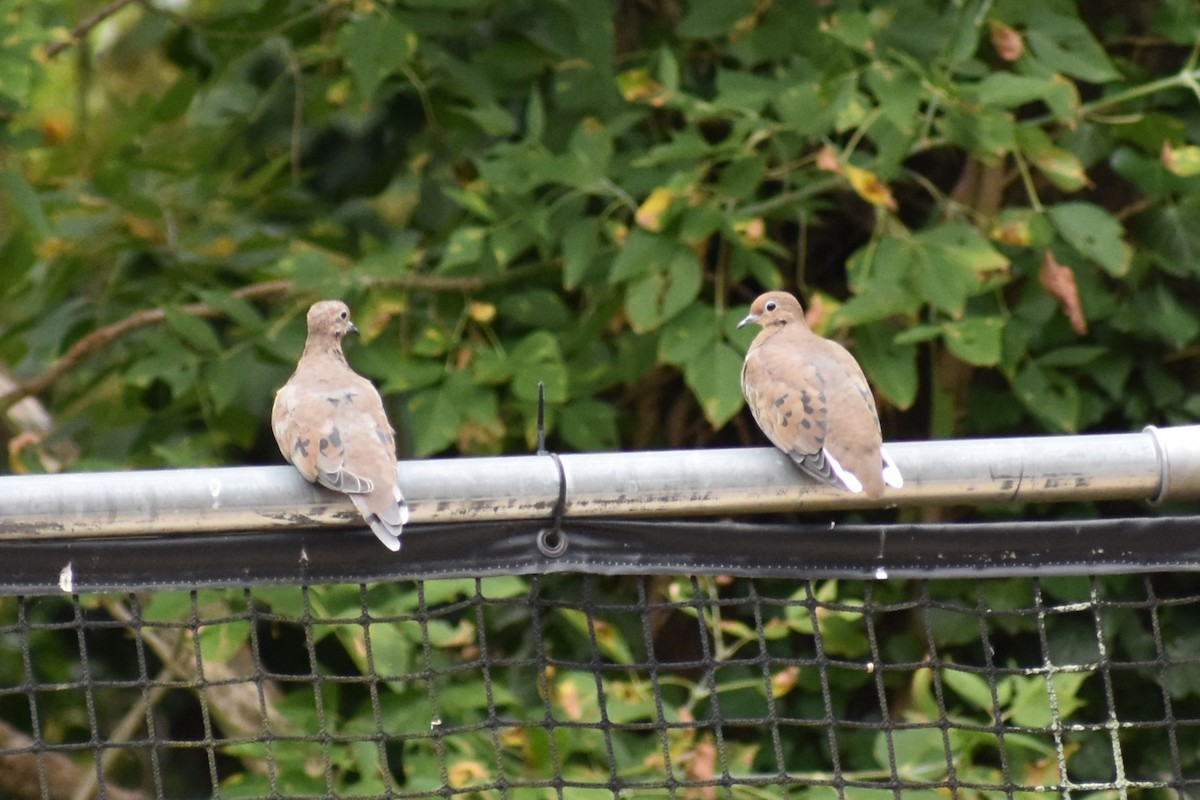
x=617, y=547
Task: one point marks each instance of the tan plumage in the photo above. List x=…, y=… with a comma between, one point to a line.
x=811, y=399
x=330, y=424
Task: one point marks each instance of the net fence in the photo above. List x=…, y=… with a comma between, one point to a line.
x=592, y=686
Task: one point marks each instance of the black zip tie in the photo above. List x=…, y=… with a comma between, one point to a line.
x=551, y=542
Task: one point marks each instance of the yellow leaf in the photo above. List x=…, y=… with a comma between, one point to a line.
x=379, y=309
x=1183, y=161
x=569, y=700
x=464, y=773
x=869, y=187
x=142, y=228
x=753, y=231
x=636, y=85
x=821, y=309
x=1013, y=231
x=784, y=682
x=481, y=312
x=650, y=213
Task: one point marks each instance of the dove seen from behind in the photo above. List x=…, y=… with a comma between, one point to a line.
x=330, y=424
x=811, y=398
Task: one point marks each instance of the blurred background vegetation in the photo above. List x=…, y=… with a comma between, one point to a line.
x=996, y=204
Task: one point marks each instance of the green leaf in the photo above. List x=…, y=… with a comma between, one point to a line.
x=741, y=177
x=535, y=116
x=438, y=413
x=970, y=687
x=715, y=377
x=713, y=20
x=168, y=361
x=898, y=92
x=312, y=270
x=219, y=643
x=976, y=340
x=1048, y=397
x=1059, y=165
x=891, y=367
x=919, y=753
x=1171, y=235
x=1031, y=701
x=26, y=201
x=234, y=307
x=966, y=246
x=1065, y=44
x=643, y=252
x=1162, y=313
x=193, y=330
x=589, y=425
x=167, y=606
x=743, y=91
x=989, y=133
x=1111, y=373
x=880, y=277
x=536, y=308
x=1075, y=356
x=942, y=283
x=1095, y=233
x=491, y=118
x=659, y=296
x=464, y=248
x=538, y=357
x=1006, y=90
x=689, y=333
x=374, y=47
x=401, y=373
x=590, y=152
x=580, y=242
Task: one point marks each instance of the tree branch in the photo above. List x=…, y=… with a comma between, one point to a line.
x=102, y=338
x=31, y=771
x=85, y=27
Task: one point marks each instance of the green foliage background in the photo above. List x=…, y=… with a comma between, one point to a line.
x=589, y=194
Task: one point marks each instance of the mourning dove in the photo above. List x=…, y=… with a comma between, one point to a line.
x=811, y=399
x=329, y=423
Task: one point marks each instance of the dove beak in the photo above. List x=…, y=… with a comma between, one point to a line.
x=353, y=328
x=749, y=318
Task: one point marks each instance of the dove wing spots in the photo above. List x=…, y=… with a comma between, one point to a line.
x=789, y=404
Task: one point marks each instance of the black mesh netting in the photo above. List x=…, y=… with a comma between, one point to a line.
x=583, y=686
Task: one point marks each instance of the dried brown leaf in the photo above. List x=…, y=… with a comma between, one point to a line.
x=1059, y=281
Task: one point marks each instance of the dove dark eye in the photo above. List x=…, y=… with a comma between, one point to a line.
x=343, y=315
x=771, y=306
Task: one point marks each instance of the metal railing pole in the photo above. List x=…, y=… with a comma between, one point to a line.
x=1156, y=464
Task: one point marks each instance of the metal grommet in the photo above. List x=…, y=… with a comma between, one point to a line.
x=551, y=542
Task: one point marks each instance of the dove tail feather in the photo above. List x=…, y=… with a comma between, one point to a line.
x=396, y=515
x=891, y=473
x=386, y=532
x=848, y=478
x=817, y=466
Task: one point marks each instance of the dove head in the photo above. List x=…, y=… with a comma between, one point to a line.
x=774, y=309
x=330, y=319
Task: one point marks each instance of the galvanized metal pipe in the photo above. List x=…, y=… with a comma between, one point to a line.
x=1156, y=464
